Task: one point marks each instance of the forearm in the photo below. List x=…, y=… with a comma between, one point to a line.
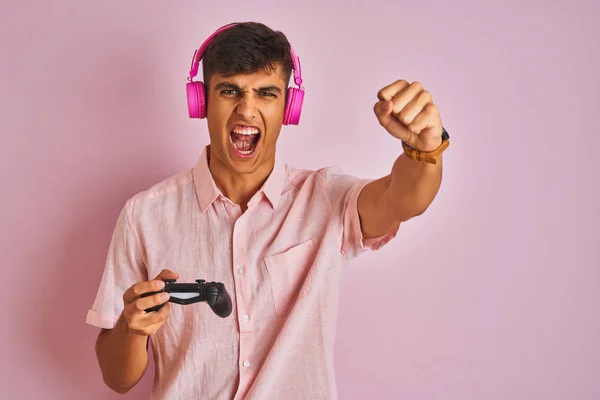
x=123, y=357
x=412, y=187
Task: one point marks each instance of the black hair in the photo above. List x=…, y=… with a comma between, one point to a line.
x=248, y=47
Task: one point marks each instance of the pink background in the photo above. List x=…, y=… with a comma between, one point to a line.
x=492, y=294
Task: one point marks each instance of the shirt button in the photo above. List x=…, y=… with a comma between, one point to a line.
x=240, y=271
x=245, y=318
x=246, y=363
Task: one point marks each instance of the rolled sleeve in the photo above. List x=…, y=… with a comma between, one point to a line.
x=124, y=267
x=343, y=191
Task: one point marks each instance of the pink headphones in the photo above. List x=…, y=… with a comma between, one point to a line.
x=197, y=97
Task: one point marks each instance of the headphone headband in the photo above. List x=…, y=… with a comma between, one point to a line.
x=199, y=53
x=196, y=93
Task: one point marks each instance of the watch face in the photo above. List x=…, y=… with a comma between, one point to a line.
x=445, y=135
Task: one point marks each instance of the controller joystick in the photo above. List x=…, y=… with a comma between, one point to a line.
x=213, y=293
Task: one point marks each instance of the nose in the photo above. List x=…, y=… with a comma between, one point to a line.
x=247, y=108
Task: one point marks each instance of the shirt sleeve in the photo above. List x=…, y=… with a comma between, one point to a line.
x=124, y=267
x=343, y=191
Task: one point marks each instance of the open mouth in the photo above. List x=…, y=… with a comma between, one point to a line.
x=244, y=140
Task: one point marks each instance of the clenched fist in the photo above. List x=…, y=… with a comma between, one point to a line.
x=139, y=321
x=407, y=112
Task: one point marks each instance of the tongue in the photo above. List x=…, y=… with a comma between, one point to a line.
x=244, y=142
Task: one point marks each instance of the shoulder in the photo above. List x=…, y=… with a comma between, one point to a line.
x=332, y=180
x=161, y=193
x=328, y=176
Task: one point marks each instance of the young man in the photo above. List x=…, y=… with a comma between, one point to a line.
x=277, y=238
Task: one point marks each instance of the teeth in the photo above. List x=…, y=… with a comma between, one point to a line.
x=245, y=130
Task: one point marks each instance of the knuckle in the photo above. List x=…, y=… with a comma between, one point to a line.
x=404, y=117
x=138, y=306
x=431, y=108
x=417, y=85
x=165, y=311
x=135, y=289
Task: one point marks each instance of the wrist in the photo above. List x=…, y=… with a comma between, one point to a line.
x=126, y=332
x=429, y=157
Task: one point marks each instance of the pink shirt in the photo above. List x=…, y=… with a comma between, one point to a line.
x=281, y=261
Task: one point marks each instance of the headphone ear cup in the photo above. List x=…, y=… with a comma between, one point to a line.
x=293, y=108
x=196, y=99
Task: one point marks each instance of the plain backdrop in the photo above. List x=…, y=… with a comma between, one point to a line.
x=492, y=294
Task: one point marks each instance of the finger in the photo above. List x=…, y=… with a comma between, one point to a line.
x=414, y=107
x=388, y=92
x=405, y=96
x=383, y=111
x=389, y=122
x=143, y=303
x=158, y=317
x=150, y=322
x=136, y=314
x=425, y=119
x=155, y=320
x=135, y=291
x=166, y=274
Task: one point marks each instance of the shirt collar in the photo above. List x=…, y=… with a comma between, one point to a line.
x=207, y=190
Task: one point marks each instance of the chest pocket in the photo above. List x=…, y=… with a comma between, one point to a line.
x=290, y=275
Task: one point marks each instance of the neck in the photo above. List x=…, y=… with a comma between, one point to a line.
x=239, y=188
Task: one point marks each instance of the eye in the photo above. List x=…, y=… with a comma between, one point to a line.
x=228, y=92
x=268, y=94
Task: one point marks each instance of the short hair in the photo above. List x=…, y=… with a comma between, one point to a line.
x=246, y=48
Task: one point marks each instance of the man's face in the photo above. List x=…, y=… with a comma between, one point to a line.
x=244, y=115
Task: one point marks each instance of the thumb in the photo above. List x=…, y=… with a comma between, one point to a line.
x=383, y=111
x=166, y=274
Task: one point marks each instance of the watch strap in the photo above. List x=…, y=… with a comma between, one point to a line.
x=429, y=156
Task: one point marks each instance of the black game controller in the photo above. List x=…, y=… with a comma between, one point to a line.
x=214, y=293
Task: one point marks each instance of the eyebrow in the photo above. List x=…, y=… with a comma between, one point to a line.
x=228, y=85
